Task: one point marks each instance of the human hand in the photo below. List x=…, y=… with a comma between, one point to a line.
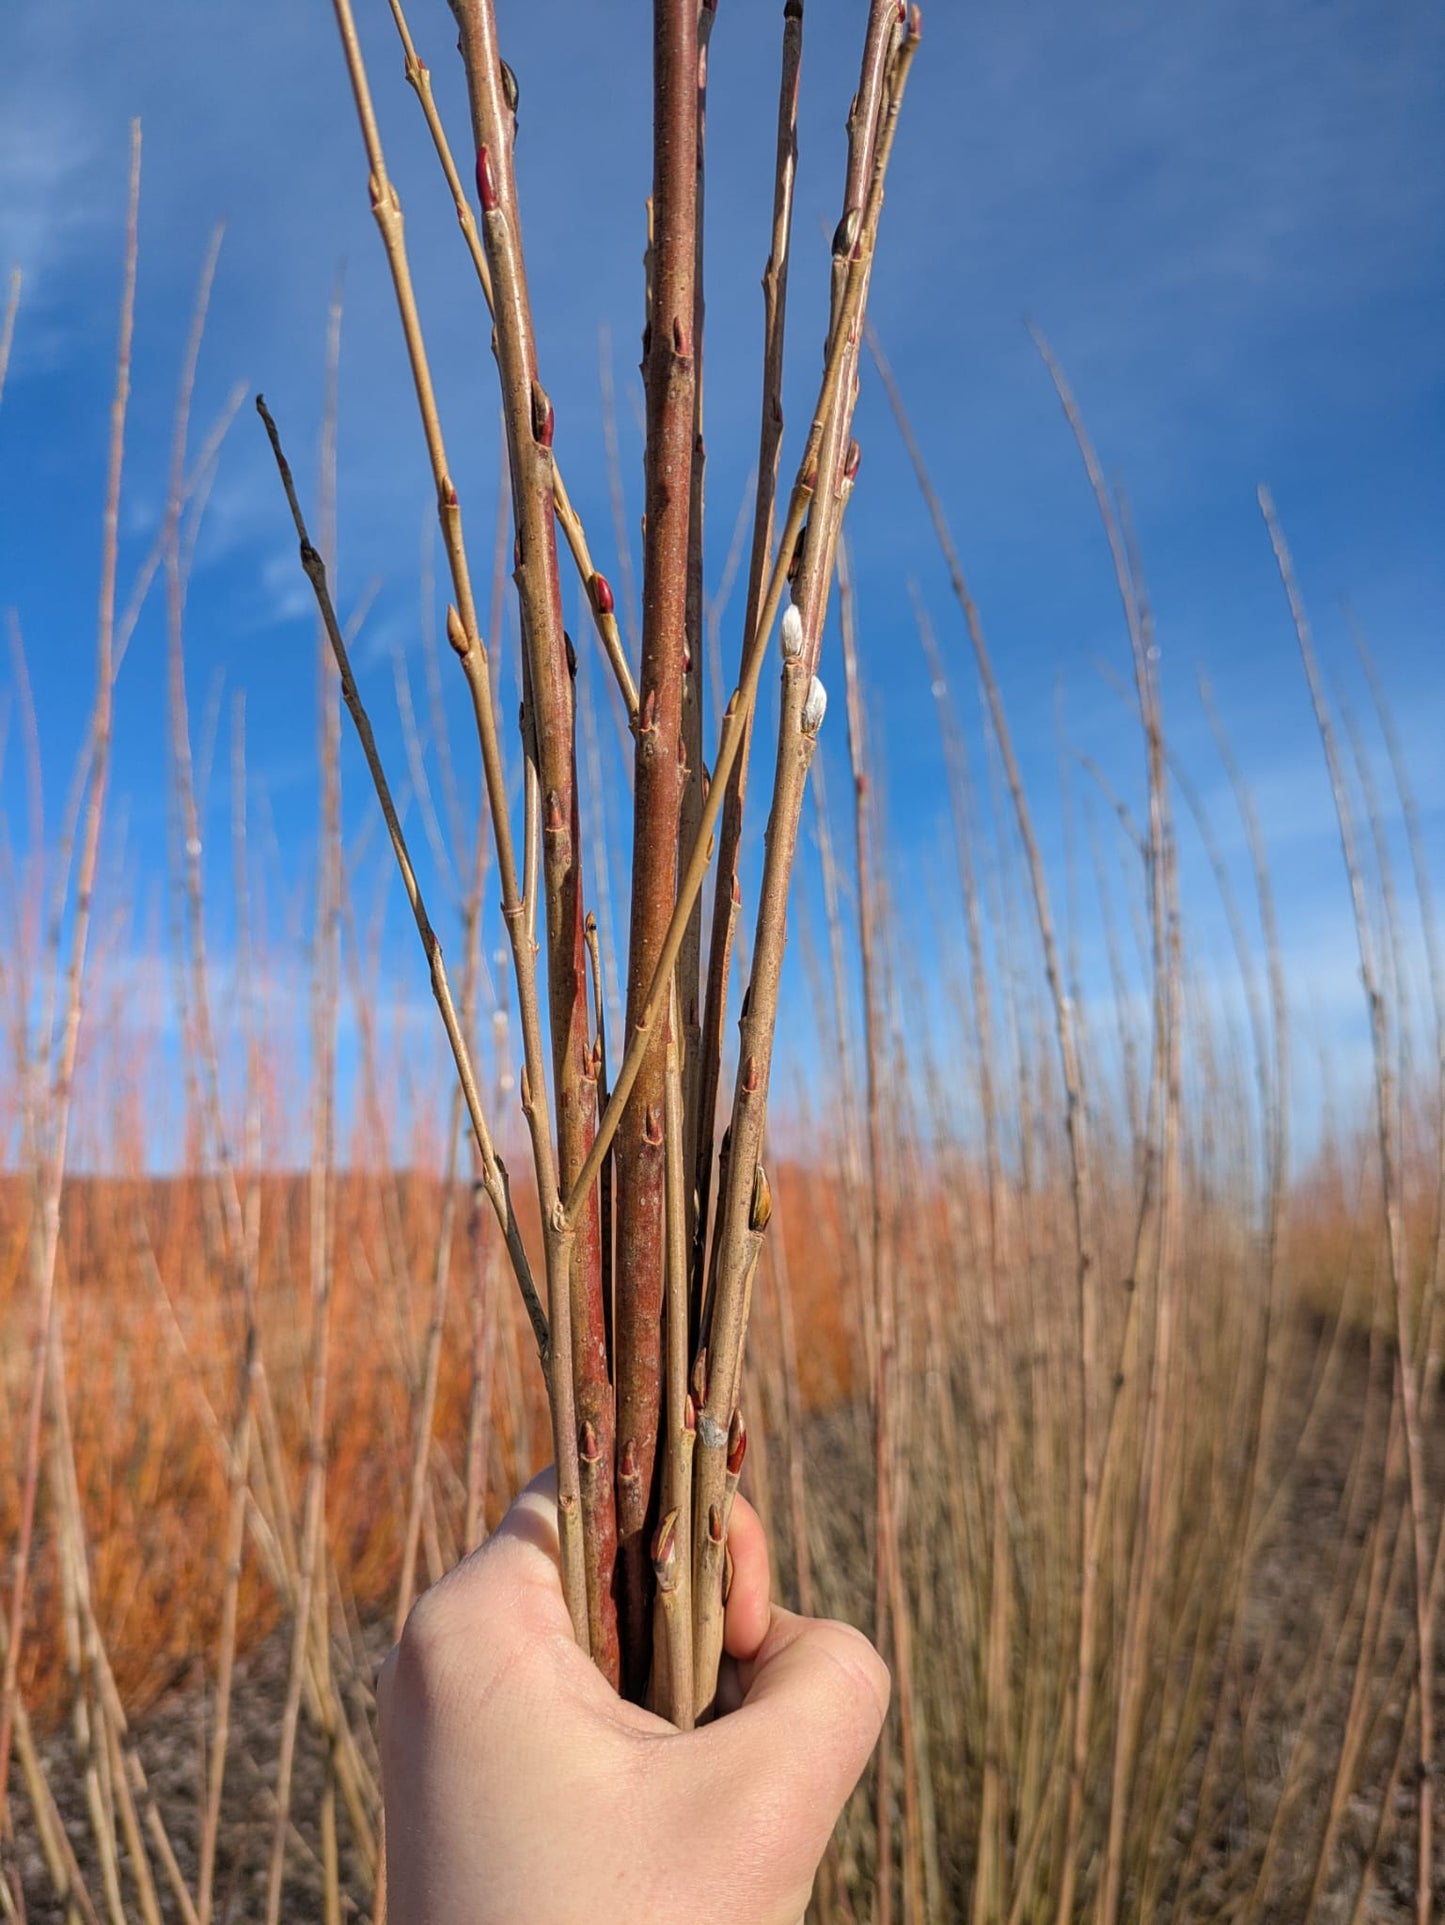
x=519, y=1787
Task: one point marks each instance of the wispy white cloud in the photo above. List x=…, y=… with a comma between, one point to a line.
x=47, y=160
x=45, y=155
x=287, y=592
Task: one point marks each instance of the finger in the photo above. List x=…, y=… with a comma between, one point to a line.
x=747, y=1616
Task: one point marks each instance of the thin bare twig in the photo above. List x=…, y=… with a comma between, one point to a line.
x=727, y=895
x=574, y=1241
x=7, y=324
x=53, y=1176
x=498, y=1189
x=599, y=593
x=801, y=714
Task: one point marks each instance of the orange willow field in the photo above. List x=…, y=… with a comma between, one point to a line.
x=144, y=1289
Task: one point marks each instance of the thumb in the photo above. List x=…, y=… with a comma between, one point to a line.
x=826, y=1680
x=814, y=1701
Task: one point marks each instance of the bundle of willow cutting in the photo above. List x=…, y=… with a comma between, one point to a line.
x=650, y=1229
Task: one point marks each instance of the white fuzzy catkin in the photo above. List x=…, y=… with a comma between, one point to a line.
x=815, y=706
x=790, y=635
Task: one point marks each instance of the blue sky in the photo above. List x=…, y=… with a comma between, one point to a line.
x=1230, y=222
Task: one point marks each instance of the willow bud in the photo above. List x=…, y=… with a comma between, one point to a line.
x=790, y=635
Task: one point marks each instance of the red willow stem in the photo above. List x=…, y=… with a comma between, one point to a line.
x=528, y=417
x=744, y=696
x=689, y=962
x=669, y=368
x=727, y=897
